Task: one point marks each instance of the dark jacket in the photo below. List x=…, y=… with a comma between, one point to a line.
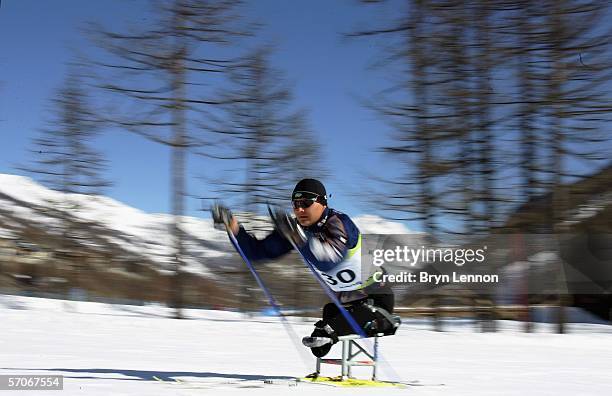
x=329, y=242
x=334, y=229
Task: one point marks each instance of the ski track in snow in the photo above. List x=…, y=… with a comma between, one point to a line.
x=106, y=349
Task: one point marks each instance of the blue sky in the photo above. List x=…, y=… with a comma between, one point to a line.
x=327, y=73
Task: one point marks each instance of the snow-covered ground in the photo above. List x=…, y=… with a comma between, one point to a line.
x=117, y=350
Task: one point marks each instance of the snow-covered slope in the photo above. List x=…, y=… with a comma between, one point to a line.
x=143, y=234
x=24, y=202
x=371, y=224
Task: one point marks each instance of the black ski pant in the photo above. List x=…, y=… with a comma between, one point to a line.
x=360, y=310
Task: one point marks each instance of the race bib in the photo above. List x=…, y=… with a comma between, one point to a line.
x=345, y=276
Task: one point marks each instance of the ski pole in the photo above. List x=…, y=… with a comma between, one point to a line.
x=358, y=330
x=349, y=318
x=271, y=300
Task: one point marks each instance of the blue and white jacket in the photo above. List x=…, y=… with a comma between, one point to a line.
x=333, y=247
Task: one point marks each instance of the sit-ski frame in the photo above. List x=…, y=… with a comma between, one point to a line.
x=350, y=352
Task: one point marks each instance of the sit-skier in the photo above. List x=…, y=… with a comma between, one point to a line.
x=331, y=242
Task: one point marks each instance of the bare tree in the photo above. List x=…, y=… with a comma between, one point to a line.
x=158, y=73
x=576, y=103
x=502, y=100
x=458, y=117
x=65, y=159
x=414, y=109
x=262, y=131
x=63, y=155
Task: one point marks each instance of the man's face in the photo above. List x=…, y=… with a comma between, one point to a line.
x=308, y=216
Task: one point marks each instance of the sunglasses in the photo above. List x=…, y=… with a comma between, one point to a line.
x=303, y=203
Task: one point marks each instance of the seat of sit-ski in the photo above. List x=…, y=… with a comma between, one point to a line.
x=386, y=323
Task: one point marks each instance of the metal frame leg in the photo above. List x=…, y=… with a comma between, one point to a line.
x=345, y=360
x=375, y=359
x=350, y=357
x=351, y=349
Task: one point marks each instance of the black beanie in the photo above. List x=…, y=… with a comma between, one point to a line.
x=309, y=188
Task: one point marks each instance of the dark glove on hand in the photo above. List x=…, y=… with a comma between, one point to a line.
x=221, y=215
x=288, y=227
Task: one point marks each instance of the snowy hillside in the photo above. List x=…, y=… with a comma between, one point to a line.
x=24, y=203
x=118, y=350
x=141, y=233
x=371, y=224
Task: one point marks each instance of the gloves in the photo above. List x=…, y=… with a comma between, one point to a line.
x=288, y=227
x=222, y=216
